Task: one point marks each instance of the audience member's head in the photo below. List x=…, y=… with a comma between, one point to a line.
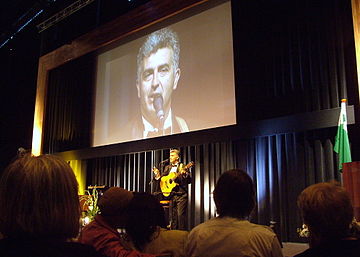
x=234, y=194
x=39, y=199
x=113, y=206
x=327, y=211
x=145, y=216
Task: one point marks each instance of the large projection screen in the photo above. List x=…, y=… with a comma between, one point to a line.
x=199, y=95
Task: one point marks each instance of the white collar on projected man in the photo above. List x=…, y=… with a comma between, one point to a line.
x=151, y=131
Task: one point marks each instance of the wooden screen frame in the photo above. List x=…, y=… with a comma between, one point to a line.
x=355, y=4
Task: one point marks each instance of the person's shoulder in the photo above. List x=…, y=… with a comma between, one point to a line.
x=89, y=228
x=174, y=233
x=236, y=226
x=258, y=227
x=209, y=224
x=95, y=230
x=221, y=221
x=263, y=231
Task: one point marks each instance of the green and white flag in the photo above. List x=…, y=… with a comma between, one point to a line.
x=342, y=145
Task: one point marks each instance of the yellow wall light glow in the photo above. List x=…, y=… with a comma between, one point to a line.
x=36, y=140
x=356, y=25
x=79, y=168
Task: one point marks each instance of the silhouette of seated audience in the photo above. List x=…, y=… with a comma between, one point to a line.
x=146, y=225
x=40, y=211
x=231, y=234
x=102, y=233
x=328, y=213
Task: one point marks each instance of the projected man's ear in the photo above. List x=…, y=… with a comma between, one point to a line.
x=177, y=76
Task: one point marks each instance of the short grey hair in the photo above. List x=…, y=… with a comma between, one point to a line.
x=163, y=38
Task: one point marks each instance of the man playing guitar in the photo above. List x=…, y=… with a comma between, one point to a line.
x=173, y=182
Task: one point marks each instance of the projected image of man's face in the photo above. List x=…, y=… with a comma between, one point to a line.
x=158, y=77
x=167, y=80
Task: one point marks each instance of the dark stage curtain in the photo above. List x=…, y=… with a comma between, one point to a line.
x=69, y=106
x=293, y=56
x=280, y=165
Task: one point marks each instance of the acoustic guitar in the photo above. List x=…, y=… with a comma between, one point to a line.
x=167, y=183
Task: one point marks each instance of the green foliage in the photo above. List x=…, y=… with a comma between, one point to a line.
x=90, y=203
x=303, y=231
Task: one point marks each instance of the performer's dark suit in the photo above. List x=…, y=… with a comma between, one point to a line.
x=178, y=195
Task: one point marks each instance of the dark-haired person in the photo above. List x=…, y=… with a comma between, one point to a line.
x=146, y=228
x=231, y=234
x=327, y=211
x=40, y=209
x=102, y=232
x=158, y=74
x=178, y=194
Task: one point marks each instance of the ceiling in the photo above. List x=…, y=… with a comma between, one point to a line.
x=15, y=15
x=13, y=11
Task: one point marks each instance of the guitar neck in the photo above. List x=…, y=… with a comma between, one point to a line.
x=185, y=167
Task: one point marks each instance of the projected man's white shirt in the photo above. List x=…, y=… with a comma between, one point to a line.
x=148, y=128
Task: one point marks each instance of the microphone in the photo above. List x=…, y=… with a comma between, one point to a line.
x=159, y=106
x=166, y=160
